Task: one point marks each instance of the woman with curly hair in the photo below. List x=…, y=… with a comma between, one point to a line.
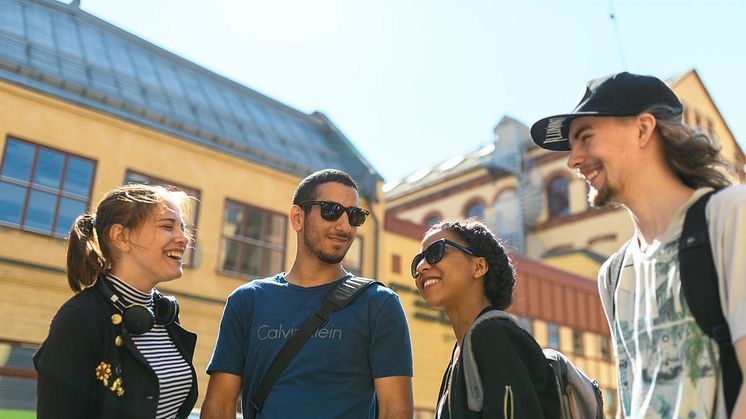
x=116, y=350
x=464, y=270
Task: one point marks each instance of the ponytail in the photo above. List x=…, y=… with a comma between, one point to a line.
x=85, y=260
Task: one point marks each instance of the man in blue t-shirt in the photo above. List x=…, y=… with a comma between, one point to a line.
x=361, y=354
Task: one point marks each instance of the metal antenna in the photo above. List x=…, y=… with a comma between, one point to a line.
x=615, y=23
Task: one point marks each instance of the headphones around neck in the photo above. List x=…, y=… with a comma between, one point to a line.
x=137, y=318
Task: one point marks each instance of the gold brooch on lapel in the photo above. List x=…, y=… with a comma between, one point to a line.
x=103, y=373
x=117, y=388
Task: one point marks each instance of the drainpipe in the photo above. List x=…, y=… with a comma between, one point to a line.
x=377, y=237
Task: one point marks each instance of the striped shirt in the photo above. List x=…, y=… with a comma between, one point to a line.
x=172, y=370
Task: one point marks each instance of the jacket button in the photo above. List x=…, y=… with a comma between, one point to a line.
x=149, y=397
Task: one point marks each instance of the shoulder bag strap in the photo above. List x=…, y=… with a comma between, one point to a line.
x=336, y=299
x=612, y=277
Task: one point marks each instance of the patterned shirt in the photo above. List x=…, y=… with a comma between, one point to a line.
x=172, y=370
x=668, y=368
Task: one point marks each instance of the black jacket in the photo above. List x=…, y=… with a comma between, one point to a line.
x=507, y=357
x=81, y=342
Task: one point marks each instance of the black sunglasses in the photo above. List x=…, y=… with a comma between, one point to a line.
x=331, y=211
x=434, y=253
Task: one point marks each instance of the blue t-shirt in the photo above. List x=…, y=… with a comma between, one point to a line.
x=332, y=375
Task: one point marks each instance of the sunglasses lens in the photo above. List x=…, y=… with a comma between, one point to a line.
x=331, y=211
x=416, y=261
x=434, y=253
x=357, y=216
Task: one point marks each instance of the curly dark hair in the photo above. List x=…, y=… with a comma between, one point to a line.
x=500, y=277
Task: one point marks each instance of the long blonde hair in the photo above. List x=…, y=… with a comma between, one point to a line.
x=693, y=156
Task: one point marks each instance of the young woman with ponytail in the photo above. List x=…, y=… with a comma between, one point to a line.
x=116, y=350
x=464, y=270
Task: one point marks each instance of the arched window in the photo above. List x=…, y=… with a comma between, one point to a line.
x=558, y=197
x=432, y=218
x=475, y=209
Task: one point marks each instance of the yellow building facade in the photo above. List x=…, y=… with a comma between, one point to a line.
x=86, y=107
x=32, y=265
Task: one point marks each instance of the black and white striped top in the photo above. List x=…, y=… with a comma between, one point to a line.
x=173, y=371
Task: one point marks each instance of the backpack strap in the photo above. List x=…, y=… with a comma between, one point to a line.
x=474, y=389
x=699, y=282
x=336, y=299
x=612, y=277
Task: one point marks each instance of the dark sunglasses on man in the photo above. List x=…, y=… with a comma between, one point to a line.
x=331, y=211
x=435, y=252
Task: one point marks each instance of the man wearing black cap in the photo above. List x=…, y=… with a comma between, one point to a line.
x=627, y=139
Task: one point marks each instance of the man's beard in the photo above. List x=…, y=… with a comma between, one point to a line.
x=603, y=197
x=323, y=256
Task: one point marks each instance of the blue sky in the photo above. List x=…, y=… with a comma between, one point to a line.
x=414, y=82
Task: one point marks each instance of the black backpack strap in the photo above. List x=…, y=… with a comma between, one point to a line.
x=612, y=277
x=336, y=299
x=699, y=282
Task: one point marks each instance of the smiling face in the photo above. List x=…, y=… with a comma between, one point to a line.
x=451, y=281
x=600, y=154
x=329, y=241
x=154, y=249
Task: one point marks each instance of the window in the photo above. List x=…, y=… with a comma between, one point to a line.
x=396, y=264
x=17, y=380
x=432, y=219
x=190, y=220
x=526, y=324
x=557, y=196
x=476, y=210
x=553, y=336
x=253, y=241
x=41, y=189
x=577, y=342
x=605, y=345
x=353, y=261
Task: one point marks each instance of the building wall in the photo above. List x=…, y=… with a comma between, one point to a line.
x=33, y=282
x=451, y=199
x=602, y=231
x=431, y=335
x=576, y=263
x=416, y=206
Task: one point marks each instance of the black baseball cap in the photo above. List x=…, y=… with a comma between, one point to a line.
x=621, y=94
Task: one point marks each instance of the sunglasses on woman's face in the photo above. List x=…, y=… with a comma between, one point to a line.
x=435, y=252
x=331, y=211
